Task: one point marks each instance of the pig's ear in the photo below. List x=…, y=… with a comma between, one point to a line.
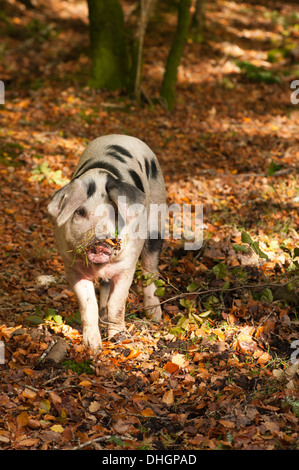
x=116, y=188
x=124, y=195
x=67, y=200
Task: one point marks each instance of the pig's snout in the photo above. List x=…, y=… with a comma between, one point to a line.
x=100, y=250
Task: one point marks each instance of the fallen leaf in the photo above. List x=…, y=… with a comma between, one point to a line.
x=133, y=354
x=168, y=397
x=147, y=412
x=30, y=442
x=54, y=398
x=264, y=358
x=94, y=406
x=85, y=384
x=57, y=428
x=279, y=374
x=171, y=367
x=179, y=359
x=28, y=393
x=23, y=418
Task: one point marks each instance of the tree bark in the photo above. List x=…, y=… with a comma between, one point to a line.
x=174, y=56
x=198, y=20
x=108, y=45
x=145, y=11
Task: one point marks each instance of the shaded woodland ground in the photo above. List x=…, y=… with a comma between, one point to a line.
x=217, y=374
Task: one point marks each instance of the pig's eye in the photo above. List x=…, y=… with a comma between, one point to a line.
x=82, y=212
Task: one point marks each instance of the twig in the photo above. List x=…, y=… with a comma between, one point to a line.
x=49, y=348
x=246, y=286
x=209, y=291
x=97, y=439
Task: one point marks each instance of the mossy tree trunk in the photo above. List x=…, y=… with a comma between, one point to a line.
x=198, y=21
x=174, y=56
x=108, y=45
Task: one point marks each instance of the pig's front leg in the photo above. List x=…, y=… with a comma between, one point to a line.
x=119, y=289
x=85, y=293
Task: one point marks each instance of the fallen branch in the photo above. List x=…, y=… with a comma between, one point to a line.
x=97, y=439
x=219, y=289
x=56, y=352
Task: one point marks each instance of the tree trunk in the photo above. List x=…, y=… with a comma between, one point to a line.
x=146, y=7
x=174, y=56
x=108, y=46
x=198, y=20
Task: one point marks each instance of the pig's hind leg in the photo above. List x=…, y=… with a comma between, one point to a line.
x=149, y=260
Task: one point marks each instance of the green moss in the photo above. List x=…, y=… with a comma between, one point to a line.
x=78, y=367
x=108, y=45
x=179, y=40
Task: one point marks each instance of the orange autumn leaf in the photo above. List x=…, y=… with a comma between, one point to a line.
x=147, y=412
x=203, y=373
x=171, y=367
x=85, y=384
x=30, y=442
x=219, y=333
x=264, y=358
x=133, y=354
x=28, y=393
x=23, y=418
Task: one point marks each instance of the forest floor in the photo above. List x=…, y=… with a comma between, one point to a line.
x=220, y=371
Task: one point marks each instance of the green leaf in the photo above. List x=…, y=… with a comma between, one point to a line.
x=242, y=248
x=267, y=295
x=160, y=291
x=192, y=287
x=220, y=270
x=258, y=251
x=183, y=323
x=290, y=287
x=211, y=302
x=225, y=285
x=57, y=319
x=245, y=237
x=44, y=406
x=296, y=252
x=77, y=318
x=273, y=168
x=258, y=74
x=159, y=282
x=229, y=437
x=50, y=312
x=204, y=314
x=183, y=302
x=148, y=278
x=35, y=319
x=176, y=330
x=116, y=440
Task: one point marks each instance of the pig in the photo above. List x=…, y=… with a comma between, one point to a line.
x=116, y=182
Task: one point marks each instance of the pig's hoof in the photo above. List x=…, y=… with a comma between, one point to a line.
x=154, y=313
x=93, y=343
